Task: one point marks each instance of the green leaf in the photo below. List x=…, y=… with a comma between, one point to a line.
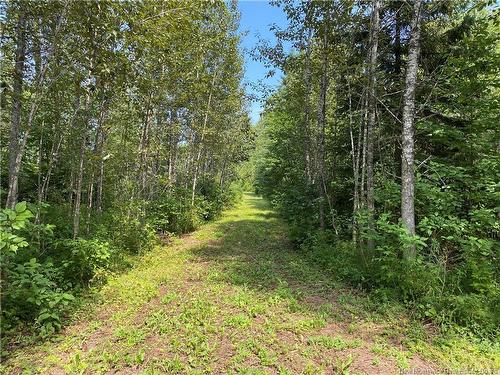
x=43, y=317
x=68, y=296
x=20, y=207
x=11, y=214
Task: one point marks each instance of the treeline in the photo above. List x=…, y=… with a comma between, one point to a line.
x=381, y=149
x=120, y=121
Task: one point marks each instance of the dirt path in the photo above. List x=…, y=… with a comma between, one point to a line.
x=231, y=298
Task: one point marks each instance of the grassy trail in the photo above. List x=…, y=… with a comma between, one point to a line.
x=231, y=298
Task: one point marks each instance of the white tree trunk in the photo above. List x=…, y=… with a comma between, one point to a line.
x=307, y=110
x=16, y=110
x=320, y=183
x=16, y=148
x=408, y=141
x=200, y=148
x=370, y=200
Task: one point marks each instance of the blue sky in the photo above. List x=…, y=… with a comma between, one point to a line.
x=256, y=17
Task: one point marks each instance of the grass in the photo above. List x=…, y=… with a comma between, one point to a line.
x=234, y=297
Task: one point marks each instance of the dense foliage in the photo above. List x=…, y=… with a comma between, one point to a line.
x=123, y=123
x=331, y=156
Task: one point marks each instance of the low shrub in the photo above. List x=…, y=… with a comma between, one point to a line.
x=463, y=294
x=30, y=290
x=126, y=228
x=174, y=213
x=32, y=293
x=43, y=269
x=86, y=261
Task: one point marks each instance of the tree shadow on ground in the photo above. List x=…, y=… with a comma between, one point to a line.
x=257, y=254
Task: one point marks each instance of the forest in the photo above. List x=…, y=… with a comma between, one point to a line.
x=353, y=229
x=382, y=143
x=114, y=133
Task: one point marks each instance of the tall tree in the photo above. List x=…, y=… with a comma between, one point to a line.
x=372, y=71
x=321, y=115
x=17, y=93
x=408, y=134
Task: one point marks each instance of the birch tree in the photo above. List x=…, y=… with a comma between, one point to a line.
x=408, y=134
